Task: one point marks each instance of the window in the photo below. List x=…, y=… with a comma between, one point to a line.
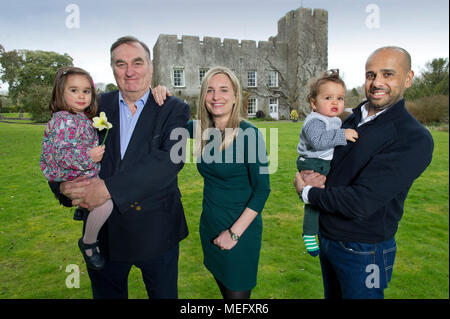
x=201, y=75
x=251, y=79
x=178, y=76
x=273, y=79
x=252, y=106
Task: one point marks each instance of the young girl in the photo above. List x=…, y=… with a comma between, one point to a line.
x=70, y=147
x=320, y=133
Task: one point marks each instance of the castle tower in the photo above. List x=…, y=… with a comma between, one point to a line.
x=306, y=33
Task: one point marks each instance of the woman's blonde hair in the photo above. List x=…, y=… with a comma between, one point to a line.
x=204, y=117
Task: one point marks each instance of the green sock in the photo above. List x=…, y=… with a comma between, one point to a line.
x=311, y=245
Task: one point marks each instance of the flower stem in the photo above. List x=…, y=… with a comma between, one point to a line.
x=104, y=139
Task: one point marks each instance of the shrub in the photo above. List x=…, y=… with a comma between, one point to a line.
x=430, y=110
x=10, y=109
x=294, y=115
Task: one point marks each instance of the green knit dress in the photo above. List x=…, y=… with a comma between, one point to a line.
x=236, y=178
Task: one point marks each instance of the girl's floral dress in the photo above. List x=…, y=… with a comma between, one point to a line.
x=65, y=147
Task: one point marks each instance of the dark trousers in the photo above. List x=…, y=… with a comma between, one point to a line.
x=311, y=219
x=160, y=275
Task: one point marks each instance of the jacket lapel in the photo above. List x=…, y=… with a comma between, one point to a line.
x=351, y=122
x=111, y=108
x=142, y=133
x=115, y=138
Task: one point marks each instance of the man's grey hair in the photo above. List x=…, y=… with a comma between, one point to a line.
x=129, y=39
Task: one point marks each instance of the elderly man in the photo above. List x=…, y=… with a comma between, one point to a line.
x=148, y=220
x=363, y=200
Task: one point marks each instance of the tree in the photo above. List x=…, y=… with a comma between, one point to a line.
x=30, y=75
x=9, y=61
x=433, y=80
x=25, y=67
x=2, y=50
x=354, y=97
x=435, y=76
x=110, y=87
x=287, y=90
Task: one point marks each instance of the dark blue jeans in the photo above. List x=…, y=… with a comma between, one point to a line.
x=353, y=270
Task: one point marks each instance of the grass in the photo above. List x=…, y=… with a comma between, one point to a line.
x=38, y=238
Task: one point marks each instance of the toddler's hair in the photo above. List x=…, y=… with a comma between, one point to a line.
x=57, y=102
x=315, y=83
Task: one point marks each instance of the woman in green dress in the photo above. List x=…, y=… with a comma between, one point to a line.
x=232, y=159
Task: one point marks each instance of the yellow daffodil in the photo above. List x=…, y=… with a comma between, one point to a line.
x=102, y=122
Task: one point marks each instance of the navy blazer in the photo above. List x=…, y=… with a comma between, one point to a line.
x=148, y=217
x=369, y=180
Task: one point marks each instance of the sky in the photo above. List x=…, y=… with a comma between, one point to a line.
x=355, y=27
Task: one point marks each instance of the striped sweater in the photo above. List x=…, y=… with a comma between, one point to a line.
x=319, y=135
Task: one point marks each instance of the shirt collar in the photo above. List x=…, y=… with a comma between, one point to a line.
x=365, y=114
x=140, y=103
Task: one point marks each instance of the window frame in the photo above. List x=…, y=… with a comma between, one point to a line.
x=252, y=79
x=182, y=77
x=255, y=105
x=200, y=77
x=276, y=84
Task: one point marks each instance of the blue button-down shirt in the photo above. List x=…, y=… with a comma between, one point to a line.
x=128, y=120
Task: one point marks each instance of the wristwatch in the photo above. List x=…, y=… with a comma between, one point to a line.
x=234, y=236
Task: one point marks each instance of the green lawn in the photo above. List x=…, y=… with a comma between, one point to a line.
x=38, y=238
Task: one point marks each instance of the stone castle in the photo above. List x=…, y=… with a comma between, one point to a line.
x=274, y=73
